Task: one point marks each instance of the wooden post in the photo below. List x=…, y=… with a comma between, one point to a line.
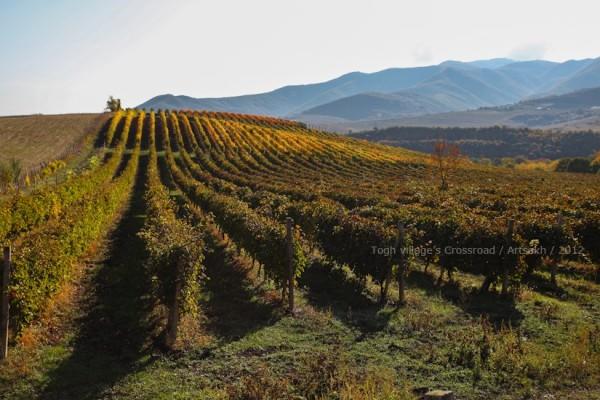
x=507, y=260
x=401, y=266
x=386, y=284
x=259, y=269
x=5, y=304
x=555, y=259
x=292, y=270
x=388, y=277
x=173, y=313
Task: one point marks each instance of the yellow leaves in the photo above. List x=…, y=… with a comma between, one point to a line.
x=55, y=207
x=52, y=168
x=536, y=165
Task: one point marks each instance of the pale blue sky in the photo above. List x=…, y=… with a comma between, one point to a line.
x=68, y=56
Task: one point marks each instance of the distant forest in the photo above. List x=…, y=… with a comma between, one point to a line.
x=493, y=142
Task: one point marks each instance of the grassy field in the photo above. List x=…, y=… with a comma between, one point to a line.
x=38, y=138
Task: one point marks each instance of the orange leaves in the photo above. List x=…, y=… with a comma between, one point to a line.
x=446, y=157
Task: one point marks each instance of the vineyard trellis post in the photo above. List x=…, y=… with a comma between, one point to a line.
x=292, y=270
x=5, y=304
x=173, y=312
x=402, y=264
x=507, y=259
x=389, y=272
x=555, y=258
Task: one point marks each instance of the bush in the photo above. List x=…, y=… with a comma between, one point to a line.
x=577, y=165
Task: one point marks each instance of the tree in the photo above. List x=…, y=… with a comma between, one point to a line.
x=446, y=157
x=113, y=104
x=577, y=164
x=581, y=165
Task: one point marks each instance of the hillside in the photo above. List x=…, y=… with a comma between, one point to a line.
x=38, y=138
x=585, y=78
x=213, y=255
x=577, y=110
x=397, y=92
x=586, y=99
x=294, y=99
x=452, y=89
x=377, y=106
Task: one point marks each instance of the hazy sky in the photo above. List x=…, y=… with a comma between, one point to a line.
x=68, y=56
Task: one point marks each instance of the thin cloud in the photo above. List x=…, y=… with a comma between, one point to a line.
x=531, y=51
x=422, y=55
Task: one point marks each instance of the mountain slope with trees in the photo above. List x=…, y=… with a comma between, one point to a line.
x=494, y=142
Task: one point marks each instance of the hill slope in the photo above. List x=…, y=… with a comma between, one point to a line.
x=378, y=105
x=577, y=110
x=584, y=78
x=38, y=138
x=454, y=88
x=294, y=99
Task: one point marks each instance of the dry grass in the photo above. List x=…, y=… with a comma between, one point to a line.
x=327, y=375
x=38, y=138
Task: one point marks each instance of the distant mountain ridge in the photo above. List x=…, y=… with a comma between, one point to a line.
x=400, y=92
x=294, y=99
x=578, y=110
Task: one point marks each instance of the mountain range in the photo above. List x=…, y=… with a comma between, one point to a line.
x=579, y=110
x=398, y=93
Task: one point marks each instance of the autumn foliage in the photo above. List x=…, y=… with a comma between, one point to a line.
x=446, y=158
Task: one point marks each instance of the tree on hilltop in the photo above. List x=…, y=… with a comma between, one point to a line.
x=113, y=104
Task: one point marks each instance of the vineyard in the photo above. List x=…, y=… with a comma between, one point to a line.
x=253, y=257
x=46, y=137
